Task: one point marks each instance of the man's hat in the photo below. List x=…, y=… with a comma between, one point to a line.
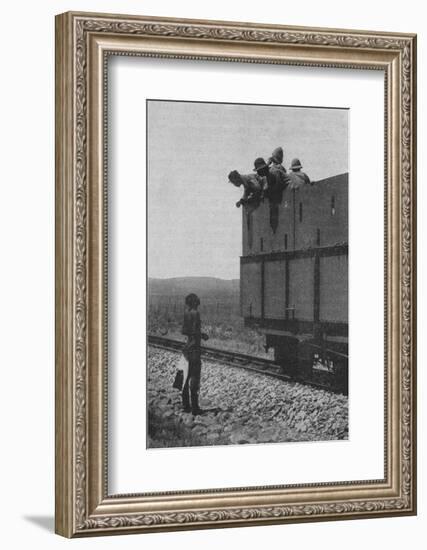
x=259, y=164
x=295, y=164
x=277, y=154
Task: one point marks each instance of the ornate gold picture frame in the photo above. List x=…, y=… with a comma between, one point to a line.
x=84, y=42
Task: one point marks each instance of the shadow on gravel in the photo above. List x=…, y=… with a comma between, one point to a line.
x=216, y=410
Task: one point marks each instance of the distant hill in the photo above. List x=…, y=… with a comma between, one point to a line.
x=204, y=287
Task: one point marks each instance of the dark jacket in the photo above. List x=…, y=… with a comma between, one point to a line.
x=192, y=329
x=278, y=180
x=297, y=179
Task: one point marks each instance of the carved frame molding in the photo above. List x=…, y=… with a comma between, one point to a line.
x=83, y=43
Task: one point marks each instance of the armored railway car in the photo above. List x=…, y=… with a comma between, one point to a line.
x=294, y=280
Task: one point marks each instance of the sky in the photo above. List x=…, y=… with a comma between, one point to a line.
x=194, y=228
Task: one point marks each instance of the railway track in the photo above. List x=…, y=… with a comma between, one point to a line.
x=259, y=365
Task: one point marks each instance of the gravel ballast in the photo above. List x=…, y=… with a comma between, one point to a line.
x=240, y=407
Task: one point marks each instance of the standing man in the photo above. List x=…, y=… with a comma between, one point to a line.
x=192, y=329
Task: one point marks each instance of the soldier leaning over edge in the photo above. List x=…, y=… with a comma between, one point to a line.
x=277, y=181
x=253, y=185
x=281, y=179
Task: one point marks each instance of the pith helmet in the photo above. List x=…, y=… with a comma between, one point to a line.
x=259, y=164
x=295, y=164
x=277, y=154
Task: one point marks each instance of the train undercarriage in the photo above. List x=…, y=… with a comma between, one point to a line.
x=318, y=357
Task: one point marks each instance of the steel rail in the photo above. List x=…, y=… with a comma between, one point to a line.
x=252, y=363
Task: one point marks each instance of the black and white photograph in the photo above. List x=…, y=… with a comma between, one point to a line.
x=213, y=284
x=247, y=274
